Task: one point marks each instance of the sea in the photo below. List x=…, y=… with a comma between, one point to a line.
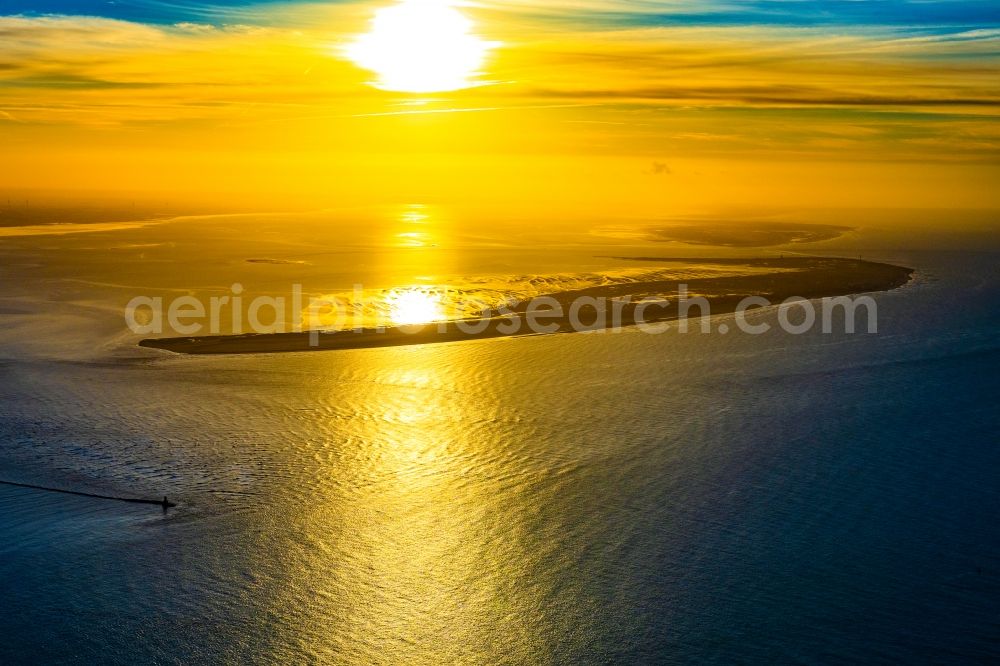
x=682, y=498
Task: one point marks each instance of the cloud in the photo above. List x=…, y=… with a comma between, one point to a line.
x=87, y=70
x=615, y=14
x=770, y=96
x=675, y=66
x=648, y=91
x=765, y=67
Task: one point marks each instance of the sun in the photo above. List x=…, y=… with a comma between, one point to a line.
x=421, y=46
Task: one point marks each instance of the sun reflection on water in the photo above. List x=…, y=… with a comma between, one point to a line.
x=427, y=571
x=414, y=305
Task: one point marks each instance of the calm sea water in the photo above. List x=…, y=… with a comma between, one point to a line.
x=678, y=498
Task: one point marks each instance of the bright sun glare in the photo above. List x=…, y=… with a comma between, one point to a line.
x=421, y=46
x=414, y=306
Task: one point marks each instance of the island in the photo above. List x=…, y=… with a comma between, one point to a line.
x=630, y=303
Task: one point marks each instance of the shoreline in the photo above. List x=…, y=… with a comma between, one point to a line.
x=805, y=277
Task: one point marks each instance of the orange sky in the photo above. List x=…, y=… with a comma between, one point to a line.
x=564, y=115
